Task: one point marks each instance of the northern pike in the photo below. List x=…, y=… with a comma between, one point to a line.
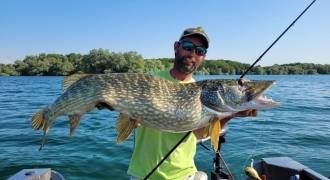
x=153, y=101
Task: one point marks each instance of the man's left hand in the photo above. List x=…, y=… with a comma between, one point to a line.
x=246, y=113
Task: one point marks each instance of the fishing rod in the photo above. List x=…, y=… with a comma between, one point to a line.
x=168, y=154
x=240, y=82
x=217, y=164
x=217, y=174
x=278, y=38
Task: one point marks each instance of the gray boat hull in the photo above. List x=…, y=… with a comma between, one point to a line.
x=277, y=168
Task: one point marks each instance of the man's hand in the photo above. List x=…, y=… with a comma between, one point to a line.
x=246, y=113
x=201, y=133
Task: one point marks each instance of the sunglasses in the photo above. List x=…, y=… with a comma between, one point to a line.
x=189, y=46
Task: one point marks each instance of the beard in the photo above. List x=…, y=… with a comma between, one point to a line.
x=182, y=64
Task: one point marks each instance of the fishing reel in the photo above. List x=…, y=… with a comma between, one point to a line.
x=220, y=168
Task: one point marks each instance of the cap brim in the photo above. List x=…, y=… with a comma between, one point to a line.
x=206, y=41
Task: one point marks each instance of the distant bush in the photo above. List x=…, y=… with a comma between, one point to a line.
x=104, y=61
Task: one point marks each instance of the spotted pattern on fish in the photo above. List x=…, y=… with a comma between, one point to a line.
x=153, y=101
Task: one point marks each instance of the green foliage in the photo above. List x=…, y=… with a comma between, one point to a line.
x=135, y=62
x=96, y=61
x=154, y=65
x=298, y=68
x=104, y=61
x=7, y=70
x=101, y=60
x=224, y=67
x=76, y=61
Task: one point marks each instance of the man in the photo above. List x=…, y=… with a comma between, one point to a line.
x=152, y=145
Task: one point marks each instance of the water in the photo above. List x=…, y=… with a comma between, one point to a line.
x=298, y=129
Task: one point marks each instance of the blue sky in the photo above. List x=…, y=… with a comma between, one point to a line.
x=239, y=30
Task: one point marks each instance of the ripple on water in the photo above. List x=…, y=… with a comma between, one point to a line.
x=299, y=128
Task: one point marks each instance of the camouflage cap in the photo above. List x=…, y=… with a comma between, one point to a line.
x=196, y=31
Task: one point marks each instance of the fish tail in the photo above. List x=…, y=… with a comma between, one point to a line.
x=38, y=120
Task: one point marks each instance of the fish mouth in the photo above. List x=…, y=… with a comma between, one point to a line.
x=255, y=90
x=265, y=102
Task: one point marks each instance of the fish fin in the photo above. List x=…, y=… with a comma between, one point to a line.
x=38, y=120
x=214, y=132
x=124, y=127
x=206, y=131
x=69, y=80
x=74, y=122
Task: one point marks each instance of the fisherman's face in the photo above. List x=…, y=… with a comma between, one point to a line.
x=188, y=60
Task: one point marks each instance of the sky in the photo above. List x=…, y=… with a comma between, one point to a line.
x=239, y=30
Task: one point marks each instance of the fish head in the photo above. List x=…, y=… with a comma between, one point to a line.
x=233, y=96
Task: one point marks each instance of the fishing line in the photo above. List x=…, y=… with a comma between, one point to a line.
x=279, y=37
x=259, y=58
x=256, y=144
x=239, y=81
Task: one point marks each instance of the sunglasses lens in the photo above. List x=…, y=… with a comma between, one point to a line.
x=200, y=51
x=189, y=46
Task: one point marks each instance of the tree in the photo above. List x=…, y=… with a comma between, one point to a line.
x=76, y=61
x=134, y=61
x=153, y=65
x=101, y=61
x=95, y=61
x=7, y=70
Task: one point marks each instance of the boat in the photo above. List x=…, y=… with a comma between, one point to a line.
x=40, y=174
x=273, y=168
x=269, y=168
x=285, y=168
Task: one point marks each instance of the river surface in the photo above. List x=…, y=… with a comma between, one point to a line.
x=299, y=128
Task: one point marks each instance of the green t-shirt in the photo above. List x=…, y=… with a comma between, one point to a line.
x=151, y=145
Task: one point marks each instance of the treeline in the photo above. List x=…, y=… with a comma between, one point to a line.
x=214, y=67
x=97, y=61
x=104, y=61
